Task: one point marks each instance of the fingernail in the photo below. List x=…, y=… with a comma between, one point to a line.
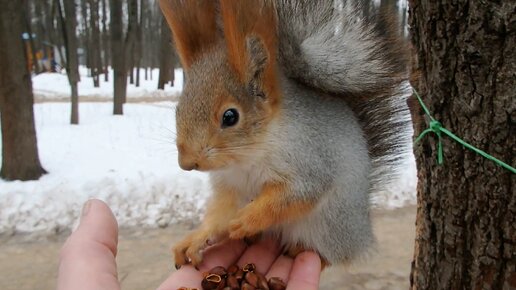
x=86, y=209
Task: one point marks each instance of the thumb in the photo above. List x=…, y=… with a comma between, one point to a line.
x=87, y=259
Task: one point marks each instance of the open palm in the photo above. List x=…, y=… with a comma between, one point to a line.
x=88, y=258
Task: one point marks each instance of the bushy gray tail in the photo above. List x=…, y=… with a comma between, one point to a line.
x=330, y=46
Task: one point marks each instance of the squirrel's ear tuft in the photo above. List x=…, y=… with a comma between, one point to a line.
x=258, y=58
x=250, y=30
x=193, y=25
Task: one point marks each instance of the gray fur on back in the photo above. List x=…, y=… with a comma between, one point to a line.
x=329, y=46
x=362, y=64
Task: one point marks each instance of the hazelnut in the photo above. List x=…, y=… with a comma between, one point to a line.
x=219, y=270
x=276, y=283
x=249, y=267
x=212, y=282
x=251, y=278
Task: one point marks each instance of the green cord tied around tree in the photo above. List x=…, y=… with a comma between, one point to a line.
x=437, y=128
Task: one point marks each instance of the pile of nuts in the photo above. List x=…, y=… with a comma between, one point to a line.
x=234, y=278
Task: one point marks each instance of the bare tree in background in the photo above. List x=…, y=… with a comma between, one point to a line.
x=69, y=24
x=466, y=215
x=30, y=35
x=139, y=45
x=165, y=63
x=105, y=42
x=132, y=35
x=118, y=56
x=95, y=47
x=20, y=159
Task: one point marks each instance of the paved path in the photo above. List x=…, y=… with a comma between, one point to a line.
x=29, y=263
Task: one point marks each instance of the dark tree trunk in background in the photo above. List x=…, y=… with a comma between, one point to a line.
x=165, y=64
x=72, y=63
x=105, y=42
x=28, y=29
x=118, y=56
x=95, y=47
x=20, y=158
x=86, y=35
x=139, y=45
x=58, y=38
x=132, y=31
x=466, y=219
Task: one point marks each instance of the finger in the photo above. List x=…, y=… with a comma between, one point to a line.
x=187, y=277
x=306, y=272
x=261, y=254
x=224, y=254
x=281, y=268
x=87, y=259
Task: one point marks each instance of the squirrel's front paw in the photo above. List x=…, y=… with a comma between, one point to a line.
x=190, y=249
x=244, y=226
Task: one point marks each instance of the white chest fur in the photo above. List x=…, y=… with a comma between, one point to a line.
x=246, y=179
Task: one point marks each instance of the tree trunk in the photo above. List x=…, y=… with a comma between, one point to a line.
x=139, y=44
x=20, y=159
x=69, y=23
x=33, y=48
x=466, y=218
x=54, y=27
x=165, y=63
x=86, y=35
x=95, y=47
x=105, y=42
x=132, y=31
x=118, y=56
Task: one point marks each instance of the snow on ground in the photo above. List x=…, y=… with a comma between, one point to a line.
x=55, y=86
x=129, y=161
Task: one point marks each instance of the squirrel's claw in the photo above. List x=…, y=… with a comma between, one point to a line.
x=189, y=250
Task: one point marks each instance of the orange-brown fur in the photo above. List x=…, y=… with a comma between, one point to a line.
x=259, y=20
x=223, y=219
x=193, y=24
x=220, y=210
x=273, y=206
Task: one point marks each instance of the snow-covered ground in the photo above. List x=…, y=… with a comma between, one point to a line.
x=129, y=161
x=54, y=86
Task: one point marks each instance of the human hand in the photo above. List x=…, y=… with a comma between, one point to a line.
x=87, y=259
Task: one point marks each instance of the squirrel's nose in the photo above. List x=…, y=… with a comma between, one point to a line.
x=188, y=165
x=187, y=160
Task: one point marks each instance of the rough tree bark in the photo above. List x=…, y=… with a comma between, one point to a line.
x=466, y=216
x=20, y=159
x=118, y=56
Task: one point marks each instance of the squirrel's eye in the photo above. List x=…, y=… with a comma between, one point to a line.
x=229, y=118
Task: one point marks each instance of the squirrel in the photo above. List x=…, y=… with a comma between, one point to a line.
x=295, y=110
